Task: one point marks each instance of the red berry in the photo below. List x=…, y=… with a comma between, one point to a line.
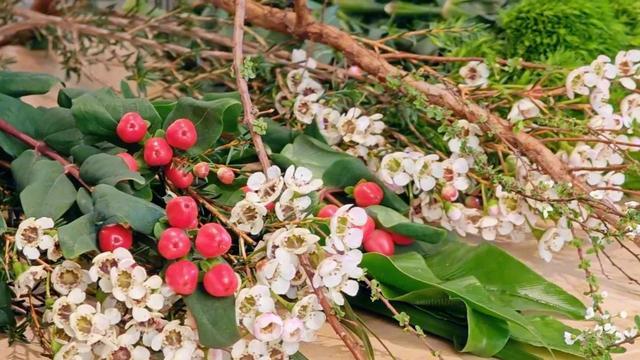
x=213, y=240
x=379, y=241
x=182, y=134
x=226, y=175
x=327, y=211
x=220, y=280
x=174, y=243
x=449, y=193
x=157, y=152
x=473, y=202
x=367, y=194
x=131, y=128
x=201, y=170
x=401, y=239
x=182, y=212
x=368, y=227
x=182, y=277
x=114, y=236
x=132, y=164
x=179, y=178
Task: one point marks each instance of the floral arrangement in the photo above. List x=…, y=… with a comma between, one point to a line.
x=137, y=228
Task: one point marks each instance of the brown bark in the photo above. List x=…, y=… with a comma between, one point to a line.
x=371, y=62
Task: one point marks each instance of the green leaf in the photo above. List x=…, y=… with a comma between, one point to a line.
x=84, y=201
x=3, y=225
x=215, y=318
x=518, y=286
x=227, y=195
x=336, y=169
x=59, y=131
x=17, y=84
x=278, y=136
x=97, y=113
x=107, y=169
x=21, y=168
x=7, y=316
x=112, y=205
x=78, y=237
x=23, y=117
x=486, y=335
x=66, y=96
x=396, y=222
x=163, y=107
x=45, y=190
x=207, y=116
x=411, y=279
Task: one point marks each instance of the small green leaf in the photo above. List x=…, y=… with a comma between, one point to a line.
x=17, y=84
x=3, y=225
x=396, y=222
x=78, y=237
x=114, y=206
x=45, y=190
x=215, y=318
x=107, y=169
x=207, y=116
x=84, y=201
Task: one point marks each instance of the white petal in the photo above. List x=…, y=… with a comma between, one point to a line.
x=45, y=223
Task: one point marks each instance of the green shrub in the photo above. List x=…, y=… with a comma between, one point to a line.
x=536, y=29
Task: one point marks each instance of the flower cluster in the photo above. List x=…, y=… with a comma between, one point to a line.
x=353, y=127
x=288, y=195
x=282, y=309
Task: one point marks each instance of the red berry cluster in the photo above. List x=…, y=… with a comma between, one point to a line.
x=159, y=151
x=212, y=240
x=374, y=240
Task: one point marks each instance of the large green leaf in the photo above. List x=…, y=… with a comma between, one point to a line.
x=404, y=272
x=517, y=286
x=336, y=169
x=107, y=169
x=78, y=237
x=208, y=117
x=396, y=222
x=17, y=84
x=97, y=113
x=112, y=205
x=45, y=189
x=489, y=321
x=215, y=318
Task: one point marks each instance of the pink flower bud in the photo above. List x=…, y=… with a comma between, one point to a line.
x=449, y=193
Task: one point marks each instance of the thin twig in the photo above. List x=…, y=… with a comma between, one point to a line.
x=332, y=319
x=218, y=214
x=243, y=89
x=395, y=312
x=42, y=148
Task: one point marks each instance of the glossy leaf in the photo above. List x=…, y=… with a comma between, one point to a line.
x=78, y=237
x=215, y=318
x=208, y=117
x=113, y=206
x=17, y=84
x=107, y=169
x=517, y=286
x=97, y=113
x=396, y=222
